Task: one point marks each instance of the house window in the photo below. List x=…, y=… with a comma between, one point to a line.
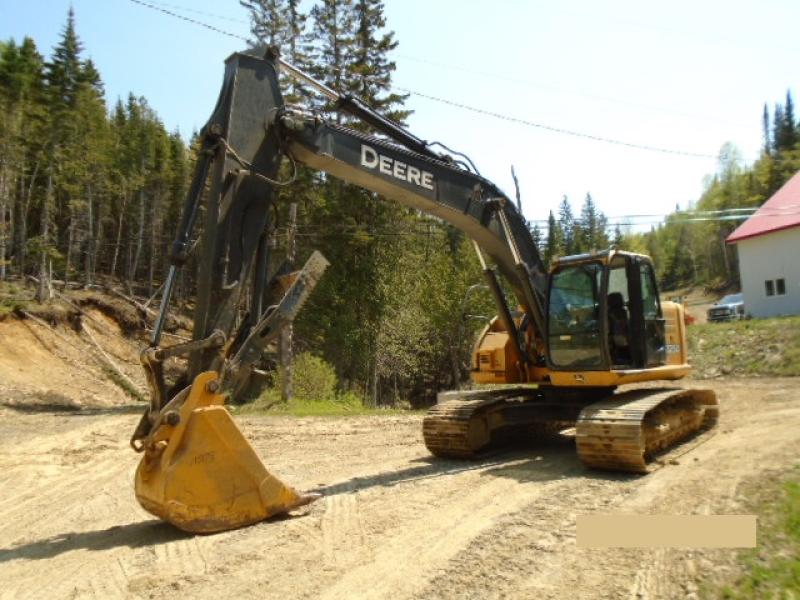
x=769, y=285
x=780, y=287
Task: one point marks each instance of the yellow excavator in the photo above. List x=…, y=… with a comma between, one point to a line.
x=575, y=333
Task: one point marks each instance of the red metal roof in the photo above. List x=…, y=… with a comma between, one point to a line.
x=779, y=212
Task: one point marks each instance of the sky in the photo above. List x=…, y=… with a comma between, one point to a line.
x=686, y=76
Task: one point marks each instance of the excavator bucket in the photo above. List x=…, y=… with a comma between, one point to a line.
x=199, y=472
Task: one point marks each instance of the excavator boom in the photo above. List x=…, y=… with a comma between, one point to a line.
x=197, y=471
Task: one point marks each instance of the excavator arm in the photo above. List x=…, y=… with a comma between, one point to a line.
x=197, y=470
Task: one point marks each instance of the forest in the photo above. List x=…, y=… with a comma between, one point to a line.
x=90, y=192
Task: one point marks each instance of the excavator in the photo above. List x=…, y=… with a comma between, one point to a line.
x=552, y=361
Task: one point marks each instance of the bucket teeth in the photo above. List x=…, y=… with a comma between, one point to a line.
x=202, y=475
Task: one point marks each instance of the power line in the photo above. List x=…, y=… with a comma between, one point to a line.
x=467, y=107
x=561, y=130
x=189, y=19
x=202, y=12
x=517, y=80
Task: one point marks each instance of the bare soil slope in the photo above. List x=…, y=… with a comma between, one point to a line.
x=54, y=365
x=393, y=523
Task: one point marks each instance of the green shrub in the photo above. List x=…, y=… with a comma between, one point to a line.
x=313, y=379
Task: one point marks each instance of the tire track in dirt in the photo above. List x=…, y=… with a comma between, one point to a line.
x=342, y=529
x=393, y=524
x=437, y=524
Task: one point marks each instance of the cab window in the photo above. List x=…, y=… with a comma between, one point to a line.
x=649, y=294
x=573, y=317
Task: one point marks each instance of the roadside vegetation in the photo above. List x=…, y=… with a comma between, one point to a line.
x=750, y=348
x=91, y=189
x=314, y=393
x=772, y=569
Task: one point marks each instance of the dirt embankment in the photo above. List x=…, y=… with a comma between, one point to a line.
x=68, y=363
x=393, y=522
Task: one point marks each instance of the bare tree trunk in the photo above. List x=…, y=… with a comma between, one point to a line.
x=139, y=237
x=44, y=291
x=98, y=238
x=70, y=240
x=725, y=258
x=3, y=225
x=454, y=362
x=88, y=249
x=154, y=241
x=119, y=234
x=286, y=333
x=23, y=216
x=374, y=383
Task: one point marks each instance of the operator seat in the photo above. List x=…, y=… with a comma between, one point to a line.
x=618, y=328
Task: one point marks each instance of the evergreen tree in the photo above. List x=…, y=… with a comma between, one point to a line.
x=789, y=126
x=23, y=131
x=372, y=68
x=618, y=240
x=601, y=241
x=333, y=29
x=765, y=128
x=268, y=21
x=536, y=234
x=589, y=226
x=778, y=129
x=65, y=69
x=555, y=239
x=566, y=222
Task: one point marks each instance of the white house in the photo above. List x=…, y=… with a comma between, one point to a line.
x=769, y=254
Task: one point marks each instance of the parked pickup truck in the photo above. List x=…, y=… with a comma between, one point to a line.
x=728, y=308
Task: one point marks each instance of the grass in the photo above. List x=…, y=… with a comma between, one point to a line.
x=754, y=347
x=12, y=298
x=343, y=405
x=123, y=384
x=772, y=570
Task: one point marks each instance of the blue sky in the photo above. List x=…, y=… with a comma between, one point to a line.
x=684, y=75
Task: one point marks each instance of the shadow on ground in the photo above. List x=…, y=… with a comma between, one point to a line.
x=543, y=460
x=133, y=535
x=72, y=410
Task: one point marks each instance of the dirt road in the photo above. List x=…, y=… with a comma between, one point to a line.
x=393, y=522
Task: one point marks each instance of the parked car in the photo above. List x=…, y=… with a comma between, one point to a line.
x=728, y=308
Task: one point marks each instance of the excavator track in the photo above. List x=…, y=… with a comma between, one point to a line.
x=464, y=423
x=624, y=432
x=457, y=428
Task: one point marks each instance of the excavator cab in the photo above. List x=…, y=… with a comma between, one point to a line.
x=604, y=313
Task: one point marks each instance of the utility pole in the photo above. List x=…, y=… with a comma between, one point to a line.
x=286, y=334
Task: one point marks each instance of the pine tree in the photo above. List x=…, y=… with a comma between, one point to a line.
x=555, y=239
x=536, y=234
x=65, y=70
x=618, y=241
x=566, y=222
x=778, y=132
x=765, y=128
x=65, y=78
x=299, y=40
x=333, y=28
x=281, y=23
x=789, y=126
x=589, y=226
x=268, y=21
x=372, y=68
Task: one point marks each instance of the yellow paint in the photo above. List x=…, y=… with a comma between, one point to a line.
x=202, y=475
x=494, y=359
x=620, y=377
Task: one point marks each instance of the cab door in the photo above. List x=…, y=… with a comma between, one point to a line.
x=648, y=321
